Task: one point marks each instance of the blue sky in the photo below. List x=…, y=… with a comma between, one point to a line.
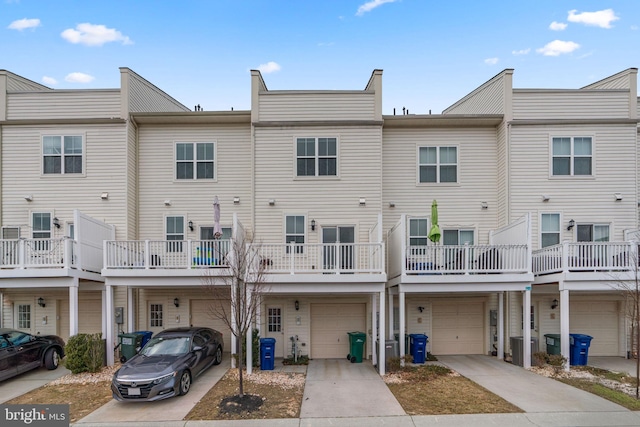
x=432, y=52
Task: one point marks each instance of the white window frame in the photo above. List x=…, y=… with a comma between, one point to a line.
x=296, y=233
x=541, y=231
x=458, y=230
x=438, y=165
x=175, y=245
x=593, y=225
x=274, y=320
x=195, y=160
x=317, y=156
x=572, y=156
x=20, y=318
x=35, y=230
x=63, y=154
x=158, y=321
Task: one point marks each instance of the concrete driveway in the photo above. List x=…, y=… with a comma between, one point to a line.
x=339, y=388
x=528, y=391
x=616, y=364
x=24, y=383
x=172, y=409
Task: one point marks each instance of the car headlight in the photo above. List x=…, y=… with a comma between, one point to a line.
x=163, y=379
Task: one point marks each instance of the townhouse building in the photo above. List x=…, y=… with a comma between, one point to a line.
x=536, y=194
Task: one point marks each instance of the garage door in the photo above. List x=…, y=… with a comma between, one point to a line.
x=329, y=326
x=457, y=328
x=600, y=320
x=201, y=316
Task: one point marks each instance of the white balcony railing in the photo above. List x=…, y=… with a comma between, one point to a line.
x=172, y=254
x=585, y=256
x=322, y=258
x=38, y=253
x=467, y=259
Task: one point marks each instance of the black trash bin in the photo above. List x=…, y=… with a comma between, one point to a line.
x=267, y=348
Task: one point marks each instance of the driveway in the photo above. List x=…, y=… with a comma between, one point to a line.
x=339, y=388
x=616, y=364
x=24, y=383
x=528, y=391
x=172, y=409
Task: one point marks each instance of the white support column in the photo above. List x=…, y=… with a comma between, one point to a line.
x=390, y=318
x=526, y=329
x=564, y=325
x=383, y=357
x=374, y=329
x=73, y=308
x=109, y=338
x=401, y=331
x=500, y=328
x=130, y=320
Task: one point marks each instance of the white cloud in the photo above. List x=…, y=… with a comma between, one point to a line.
x=49, y=81
x=370, y=5
x=557, y=48
x=491, y=61
x=269, y=67
x=94, y=35
x=601, y=18
x=557, y=26
x=521, y=51
x=23, y=24
x=79, y=78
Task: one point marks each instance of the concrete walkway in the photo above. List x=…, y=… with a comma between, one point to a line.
x=24, y=383
x=338, y=388
x=617, y=364
x=173, y=409
x=528, y=391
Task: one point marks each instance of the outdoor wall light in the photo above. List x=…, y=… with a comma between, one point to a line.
x=618, y=196
x=546, y=197
x=167, y=202
x=484, y=205
x=56, y=222
x=554, y=304
x=272, y=202
x=176, y=302
x=420, y=309
x=363, y=201
x=104, y=196
x=190, y=225
x=572, y=224
x=297, y=304
x=313, y=225
x=29, y=198
x=392, y=204
x=236, y=200
x=41, y=302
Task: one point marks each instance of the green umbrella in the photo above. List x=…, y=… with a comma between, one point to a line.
x=434, y=233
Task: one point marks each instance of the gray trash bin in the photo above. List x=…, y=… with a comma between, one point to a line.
x=517, y=357
x=391, y=349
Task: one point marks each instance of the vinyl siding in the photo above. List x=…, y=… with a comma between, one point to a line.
x=62, y=104
x=105, y=171
x=486, y=100
x=614, y=162
x=145, y=97
x=192, y=198
x=458, y=204
x=131, y=230
x=329, y=200
x=502, y=187
x=317, y=106
x=570, y=104
x=16, y=83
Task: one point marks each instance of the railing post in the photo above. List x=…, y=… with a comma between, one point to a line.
x=189, y=259
x=565, y=257
x=147, y=255
x=465, y=259
x=67, y=253
x=335, y=258
x=291, y=257
x=21, y=253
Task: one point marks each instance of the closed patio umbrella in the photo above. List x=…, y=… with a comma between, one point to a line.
x=434, y=232
x=217, y=229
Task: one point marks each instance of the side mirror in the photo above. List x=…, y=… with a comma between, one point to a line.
x=196, y=348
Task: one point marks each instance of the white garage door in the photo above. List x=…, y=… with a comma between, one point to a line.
x=600, y=320
x=330, y=324
x=457, y=328
x=201, y=316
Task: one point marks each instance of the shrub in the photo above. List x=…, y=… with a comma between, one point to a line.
x=393, y=364
x=303, y=359
x=85, y=353
x=556, y=360
x=540, y=358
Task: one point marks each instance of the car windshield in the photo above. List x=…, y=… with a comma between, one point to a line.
x=161, y=346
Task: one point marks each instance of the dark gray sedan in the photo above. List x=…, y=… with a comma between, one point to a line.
x=167, y=364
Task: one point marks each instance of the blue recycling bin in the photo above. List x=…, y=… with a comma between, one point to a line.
x=146, y=336
x=418, y=347
x=267, y=349
x=579, y=349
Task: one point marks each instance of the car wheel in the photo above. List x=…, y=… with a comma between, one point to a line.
x=185, y=383
x=51, y=359
x=217, y=359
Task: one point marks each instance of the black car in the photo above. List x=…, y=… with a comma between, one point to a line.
x=21, y=352
x=167, y=364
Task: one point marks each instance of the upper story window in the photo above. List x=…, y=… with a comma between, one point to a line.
x=572, y=156
x=195, y=160
x=438, y=164
x=593, y=232
x=295, y=231
x=549, y=229
x=62, y=154
x=206, y=233
x=41, y=225
x=457, y=237
x=316, y=156
x=174, y=233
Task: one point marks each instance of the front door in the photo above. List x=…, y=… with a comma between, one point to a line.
x=275, y=329
x=340, y=255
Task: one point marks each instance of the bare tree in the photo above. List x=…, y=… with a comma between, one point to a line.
x=238, y=291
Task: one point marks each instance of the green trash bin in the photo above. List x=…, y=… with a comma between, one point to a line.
x=553, y=343
x=356, y=346
x=129, y=345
